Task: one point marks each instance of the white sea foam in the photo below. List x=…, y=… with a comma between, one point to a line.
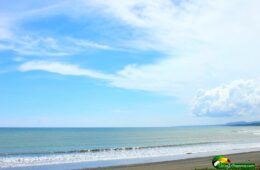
x=49, y=159
x=250, y=131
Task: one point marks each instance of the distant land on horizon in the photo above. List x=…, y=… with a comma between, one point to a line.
x=243, y=123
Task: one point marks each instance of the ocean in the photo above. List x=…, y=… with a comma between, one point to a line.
x=25, y=147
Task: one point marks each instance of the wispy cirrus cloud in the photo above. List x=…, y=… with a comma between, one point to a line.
x=205, y=43
x=37, y=46
x=200, y=52
x=14, y=38
x=89, y=44
x=63, y=69
x=49, y=46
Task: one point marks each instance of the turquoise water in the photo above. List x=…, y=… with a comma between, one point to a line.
x=42, y=146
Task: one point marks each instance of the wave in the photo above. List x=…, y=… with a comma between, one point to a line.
x=95, y=150
x=116, y=154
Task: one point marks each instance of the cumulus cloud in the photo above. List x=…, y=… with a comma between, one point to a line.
x=241, y=97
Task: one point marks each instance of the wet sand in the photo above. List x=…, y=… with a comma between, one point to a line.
x=188, y=164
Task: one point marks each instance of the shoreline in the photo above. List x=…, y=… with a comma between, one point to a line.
x=187, y=161
x=186, y=164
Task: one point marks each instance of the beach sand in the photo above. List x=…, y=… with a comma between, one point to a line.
x=188, y=164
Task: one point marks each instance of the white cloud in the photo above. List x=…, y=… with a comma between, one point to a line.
x=187, y=24
x=64, y=69
x=88, y=44
x=13, y=38
x=241, y=97
x=49, y=46
x=205, y=42
x=38, y=46
x=5, y=32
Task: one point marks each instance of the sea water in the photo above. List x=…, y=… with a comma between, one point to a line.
x=23, y=147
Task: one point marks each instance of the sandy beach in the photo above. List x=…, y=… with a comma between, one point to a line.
x=189, y=164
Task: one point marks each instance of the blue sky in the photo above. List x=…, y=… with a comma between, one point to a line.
x=88, y=63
